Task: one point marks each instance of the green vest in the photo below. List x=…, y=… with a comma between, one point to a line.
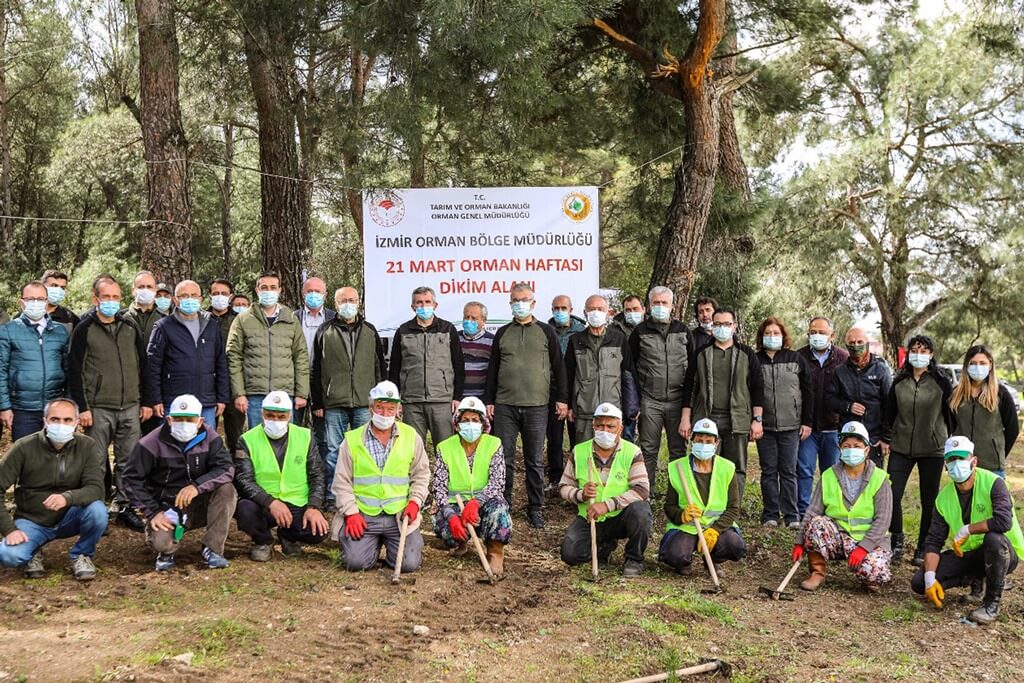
x=288, y=482
x=857, y=520
x=381, y=491
x=948, y=505
x=460, y=480
x=722, y=472
x=618, y=477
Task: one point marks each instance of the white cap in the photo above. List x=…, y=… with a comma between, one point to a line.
x=958, y=447
x=277, y=401
x=854, y=428
x=706, y=426
x=471, y=403
x=186, y=405
x=608, y=410
x=385, y=391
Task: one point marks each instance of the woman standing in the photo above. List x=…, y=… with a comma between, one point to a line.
x=788, y=413
x=918, y=422
x=984, y=411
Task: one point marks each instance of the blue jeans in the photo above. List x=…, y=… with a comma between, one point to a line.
x=254, y=415
x=337, y=421
x=88, y=523
x=26, y=422
x=209, y=416
x=821, y=449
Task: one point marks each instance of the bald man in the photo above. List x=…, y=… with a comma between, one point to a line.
x=186, y=356
x=859, y=389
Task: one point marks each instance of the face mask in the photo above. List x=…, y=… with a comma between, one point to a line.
x=919, y=360
x=471, y=431
x=60, y=433
x=348, y=311
x=959, y=470
x=470, y=327
x=771, y=343
x=109, y=308
x=314, y=300
x=220, y=302
x=722, y=333
x=144, y=297
x=383, y=421
x=597, y=318
x=706, y=326
x=424, y=312
x=978, y=373
x=163, y=303
x=189, y=306
x=661, y=313
x=561, y=317
x=34, y=310
x=856, y=349
x=605, y=439
x=703, y=451
x=268, y=299
x=523, y=309
x=275, y=429
x=184, y=431
x=239, y=310
x=633, y=318
x=852, y=456
x=55, y=295
x=819, y=342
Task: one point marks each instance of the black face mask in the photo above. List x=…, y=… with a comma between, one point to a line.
x=856, y=350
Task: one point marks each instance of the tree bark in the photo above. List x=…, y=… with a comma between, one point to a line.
x=732, y=170
x=361, y=67
x=167, y=240
x=6, y=224
x=227, y=189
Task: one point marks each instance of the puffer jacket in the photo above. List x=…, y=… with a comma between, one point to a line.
x=33, y=368
x=178, y=364
x=264, y=357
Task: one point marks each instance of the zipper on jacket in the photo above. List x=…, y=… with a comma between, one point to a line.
x=120, y=363
x=913, y=419
x=42, y=360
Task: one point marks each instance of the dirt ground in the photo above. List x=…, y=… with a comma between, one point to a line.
x=305, y=619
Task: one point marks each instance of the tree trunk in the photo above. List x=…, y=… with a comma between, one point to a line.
x=167, y=241
x=361, y=68
x=226, y=192
x=6, y=224
x=732, y=170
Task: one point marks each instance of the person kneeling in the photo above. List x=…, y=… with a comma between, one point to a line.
x=280, y=482
x=975, y=513
x=471, y=464
x=849, y=515
x=616, y=497
x=179, y=477
x=382, y=477
x=712, y=484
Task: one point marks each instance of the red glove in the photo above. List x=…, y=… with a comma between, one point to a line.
x=856, y=557
x=458, y=530
x=412, y=511
x=355, y=526
x=471, y=512
x=798, y=552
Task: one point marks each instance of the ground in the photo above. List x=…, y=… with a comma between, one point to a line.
x=306, y=619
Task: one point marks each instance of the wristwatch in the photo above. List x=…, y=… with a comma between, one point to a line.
x=758, y=418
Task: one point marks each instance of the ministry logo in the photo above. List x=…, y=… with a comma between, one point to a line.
x=387, y=209
x=577, y=206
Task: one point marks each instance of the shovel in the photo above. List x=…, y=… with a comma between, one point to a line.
x=700, y=533
x=397, y=576
x=491, y=578
x=778, y=594
x=594, y=571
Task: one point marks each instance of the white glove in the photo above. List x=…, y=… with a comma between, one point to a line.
x=962, y=535
x=929, y=579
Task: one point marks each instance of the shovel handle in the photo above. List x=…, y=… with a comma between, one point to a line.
x=397, y=576
x=789, y=577
x=593, y=529
x=476, y=541
x=696, y=523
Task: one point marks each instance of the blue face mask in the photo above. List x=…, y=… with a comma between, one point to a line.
x=661, y=313
x=819, y=342
x=522, y=309
x=163, y=303
x=34, y=310
x=188, y=306
x=55, y=295
x=424, y=312
x=703, y=451
x=852, y=456
x=959, y=470
x=348, y=311
x=978, y=373
x=239, y=309
x=471, y=431
x=561, y=317
x=771, y=343
x=722, y=333
x=314, y=300
x=109, y=308
x=268, y=298
x=919, y=360
x=470, y=327
x=633, y=318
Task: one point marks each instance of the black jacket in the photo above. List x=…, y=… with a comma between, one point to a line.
x=868, y=386
x=788, y=391
x=825, y=419
x=701, y=338
x=178, y=364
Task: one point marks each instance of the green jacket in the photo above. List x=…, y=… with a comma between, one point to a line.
x=106, y=364
x=746, y=390
x=918, y=415
x=348, y=361
x=264, y=357
x=144, y=320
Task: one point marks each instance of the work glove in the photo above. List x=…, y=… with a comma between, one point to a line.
x=355, y=526
x=933, y=589
x=856, y=557
x=960, y=538
x=412, y=511
x=711, y=538
x=691, y=512
x=457, y=528
x=798, y=552
x=471, y=512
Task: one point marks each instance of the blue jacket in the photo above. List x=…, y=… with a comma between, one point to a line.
x=33, y=369
x=178, y=364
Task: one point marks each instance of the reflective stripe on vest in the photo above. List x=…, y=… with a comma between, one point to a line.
x=722, y=472
x=618, y=474
x=460, y=480
x=381, y=491
x=288, y=482
x=948, y=505
x=857, y=520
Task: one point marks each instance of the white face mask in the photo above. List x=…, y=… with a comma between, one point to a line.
x=383, y=421
x=275, y=429
x=597, y=318
x=60, y=433
x=145, y=297
x=184, y=431
x=605, y=439
x=220, y=302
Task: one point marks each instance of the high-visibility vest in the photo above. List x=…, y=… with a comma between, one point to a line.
x=618, y=477
x=857, y=520
x=948, y=505
x=722, y=472
x=460, y=480
x=381, y=491
x=288, y=481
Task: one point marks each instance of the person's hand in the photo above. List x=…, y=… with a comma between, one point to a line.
x=856, y=557
x=636, y=418
x=857, y=409
x=884, y=448
x=570, y=415
x=710, y=538
x=219, y=409
x=597, y=510
x=7, y=418
x=684, y=428
x=471, y=512
x=185, y=496
x=691, y=512
x=85, y=419
x=16, y=537
x=960, y=538
x=490, y=411
x=158, y=410
x=756, y=430
x=315, y=521
x=355, y=526
x=300, y=403
x=319, y=412
x=412, y=511
x=561, y=410
x=242, y=404
x=805, y=432
x=145, y=412
x=55, y=502
x=458, y=529
x=590, y=490
x=798, y=553
x=281, y=513
x=455, y=405
x=161, y=523
x=933, y=589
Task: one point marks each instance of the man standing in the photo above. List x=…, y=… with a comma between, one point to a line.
x=703, y=310
x=107, y=379
x=312, y=316
x=724, y=384
x=633, y=313
x=565, y=324
x=427, y=367
x=33, y=364
x=222, y=313
x=859, y=390
x=58, y=493
x=526, y=376
x=348, y=361
x=186, y=355
x=143, y=311
x=660, y=348
x=476, y=344
x=164, y=294
x=56, y=284
x=821, y=448
x=267, y=352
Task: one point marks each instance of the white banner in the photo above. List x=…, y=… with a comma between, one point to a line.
x=472, y=244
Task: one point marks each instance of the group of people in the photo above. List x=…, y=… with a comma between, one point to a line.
x=317, y=421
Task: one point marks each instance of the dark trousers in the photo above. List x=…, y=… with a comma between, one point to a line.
x=256, y=521
x=776, y=452
x=531, y=423
x=733, y=448
x=556, y=444
x=992, y=561
x=26, y=422
x=633, y=524
x=234, y=425
x=929, y=471
x=678, y=548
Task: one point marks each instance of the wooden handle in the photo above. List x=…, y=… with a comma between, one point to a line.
x=476, y=541
x=401, y=550
x=696, y=523
x=789, y=577
x=688, y=671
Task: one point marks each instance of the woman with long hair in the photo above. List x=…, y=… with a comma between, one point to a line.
x=984, y=410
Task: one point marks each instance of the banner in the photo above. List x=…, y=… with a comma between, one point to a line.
x=472, y=244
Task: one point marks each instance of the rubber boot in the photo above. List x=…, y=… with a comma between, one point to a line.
x=897, y=548
x=816, y=563
x=496, y=557
x=996, y=564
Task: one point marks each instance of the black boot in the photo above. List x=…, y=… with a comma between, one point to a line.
x=897, y=548
x=977, y=590
x=997, y=562
x=918, y=560
x=127, y=517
